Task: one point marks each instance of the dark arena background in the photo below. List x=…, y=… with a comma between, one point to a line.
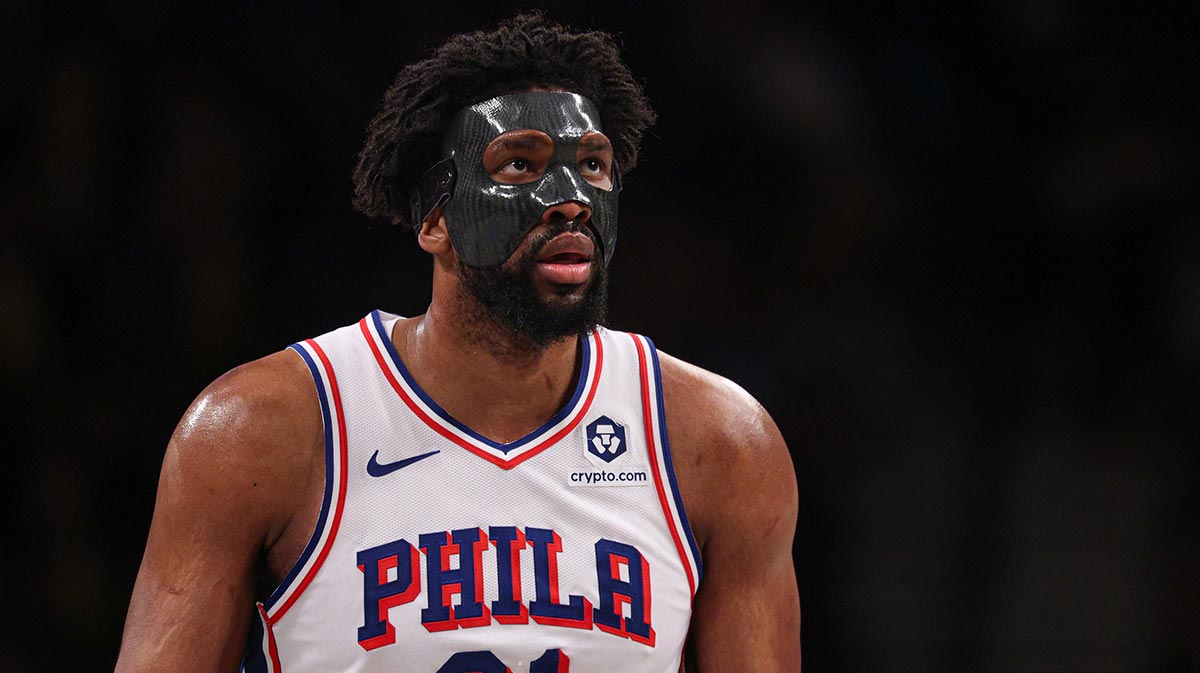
x=954, y=251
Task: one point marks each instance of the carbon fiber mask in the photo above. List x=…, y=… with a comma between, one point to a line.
x=487, y=220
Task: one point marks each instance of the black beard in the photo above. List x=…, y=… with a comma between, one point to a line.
x=510, y=299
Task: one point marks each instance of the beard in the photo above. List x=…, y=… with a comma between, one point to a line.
x=507, y=297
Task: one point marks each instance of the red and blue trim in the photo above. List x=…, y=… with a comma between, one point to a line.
x=659, y=451
x=263, y=654
x=507, y=455
x=666, y=450
x=257, y=657
x=334, y=499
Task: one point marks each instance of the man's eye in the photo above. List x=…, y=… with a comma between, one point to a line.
x=515, y=167
x=593, y=165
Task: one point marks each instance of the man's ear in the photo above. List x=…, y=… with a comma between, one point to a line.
x=433, y=237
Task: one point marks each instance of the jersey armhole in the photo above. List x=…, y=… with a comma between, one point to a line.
x=659, y=448
x=334, y=496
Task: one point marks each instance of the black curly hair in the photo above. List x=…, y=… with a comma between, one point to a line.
x=524, y=52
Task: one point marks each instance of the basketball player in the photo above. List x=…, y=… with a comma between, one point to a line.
x=498, y=484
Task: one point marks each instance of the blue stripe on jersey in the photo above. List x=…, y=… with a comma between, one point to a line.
x=666, y=447
x=255, y=660
x=450, y=420
x=328, y=497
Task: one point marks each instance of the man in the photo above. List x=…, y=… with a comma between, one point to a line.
x=493, y=485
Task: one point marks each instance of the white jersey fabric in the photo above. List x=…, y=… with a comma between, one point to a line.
x=439, y=550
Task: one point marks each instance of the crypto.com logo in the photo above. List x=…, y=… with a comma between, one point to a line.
x=605, y=439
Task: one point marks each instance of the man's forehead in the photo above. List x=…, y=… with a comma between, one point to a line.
x=558, y=114
x=528, y=139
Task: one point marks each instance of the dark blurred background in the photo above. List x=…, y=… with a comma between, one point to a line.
x=954, y=250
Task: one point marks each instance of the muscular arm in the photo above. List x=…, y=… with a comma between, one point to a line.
x=232, y=482
x=740, y=491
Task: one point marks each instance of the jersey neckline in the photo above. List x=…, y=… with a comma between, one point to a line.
x=505, y=454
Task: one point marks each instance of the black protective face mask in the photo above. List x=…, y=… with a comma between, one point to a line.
x=486, y=219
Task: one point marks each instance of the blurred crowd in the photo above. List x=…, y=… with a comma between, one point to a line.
x=953, y=250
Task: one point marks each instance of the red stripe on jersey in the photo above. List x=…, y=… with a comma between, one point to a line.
x=441, y=429
x=343, y=460
x=272, y=648
x=648, y=421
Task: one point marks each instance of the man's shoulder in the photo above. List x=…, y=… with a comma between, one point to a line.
x=731, y=461
x=251, y=411
x=247, y=449
x=714, y=408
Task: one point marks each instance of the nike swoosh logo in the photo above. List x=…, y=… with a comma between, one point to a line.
x=377, y=469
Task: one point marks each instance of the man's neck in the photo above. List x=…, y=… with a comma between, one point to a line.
x=500, y=385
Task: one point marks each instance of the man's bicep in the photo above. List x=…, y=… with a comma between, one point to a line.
x=193, y=598
x=747, y=622
x=747, y=611
x=189, y=605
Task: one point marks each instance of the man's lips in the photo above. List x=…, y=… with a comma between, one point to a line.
x=566, y=259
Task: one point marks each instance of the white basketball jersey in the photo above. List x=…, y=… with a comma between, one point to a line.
x=438, y=550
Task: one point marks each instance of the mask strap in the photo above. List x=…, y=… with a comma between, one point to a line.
x=433, y=190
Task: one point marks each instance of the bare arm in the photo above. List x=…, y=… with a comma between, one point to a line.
x=226, y=494
x=740, y=489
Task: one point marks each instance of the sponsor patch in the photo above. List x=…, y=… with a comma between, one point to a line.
x=612, y=458
x=605, y=439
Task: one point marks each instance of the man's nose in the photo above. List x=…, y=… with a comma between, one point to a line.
x=569, y=211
